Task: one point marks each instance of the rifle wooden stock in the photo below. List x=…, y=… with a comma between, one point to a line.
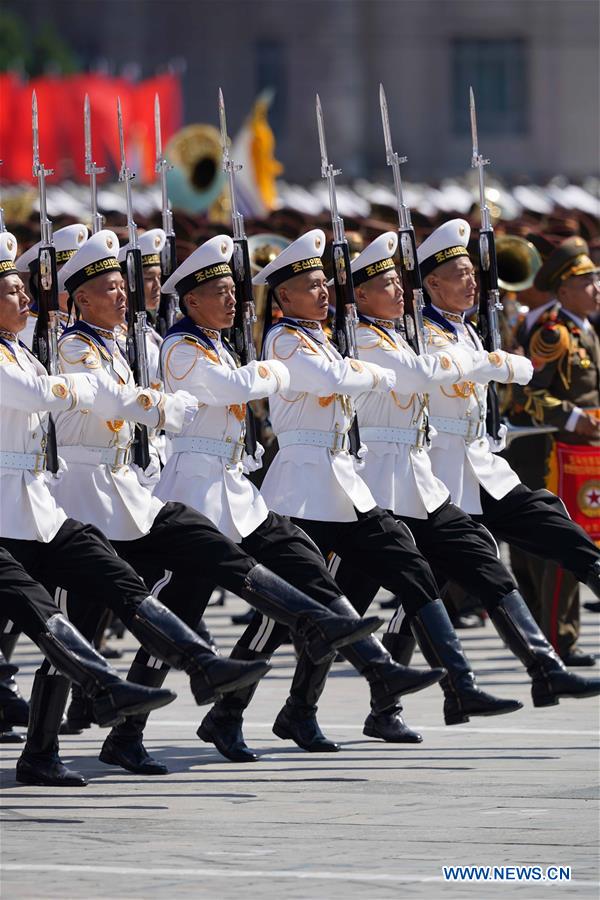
x=489, y=330
x=136, y=345
x=45, y=336
x=413, y=289
x=345, y=319
x=245, y=316
x=167, y=309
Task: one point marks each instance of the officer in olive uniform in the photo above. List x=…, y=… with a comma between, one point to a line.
x=565, y=351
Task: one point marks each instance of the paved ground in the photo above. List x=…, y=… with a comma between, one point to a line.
x=373, y=821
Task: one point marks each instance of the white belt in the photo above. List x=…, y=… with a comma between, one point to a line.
x=115, y=457
x=336, y=441
x=469, y=429
x=231, y=450
x=32, y=462
x=414, y=436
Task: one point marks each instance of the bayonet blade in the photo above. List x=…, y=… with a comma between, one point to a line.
x=385, y=119
x=157, y=129
x=122, y=174
x=35, y=129
x=87, y=130
x=473, y=113
x=223, y=125
x=322, y=142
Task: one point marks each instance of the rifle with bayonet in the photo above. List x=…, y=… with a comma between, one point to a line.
x=245, y=310
x=407, y=244
x=489, y=294
x=136, y=304
x=346, y=317
x=167, y=309
x=45, y=336
x=91, y=168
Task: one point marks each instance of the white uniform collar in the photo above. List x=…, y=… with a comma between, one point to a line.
x=455, y=318
x=315, y=328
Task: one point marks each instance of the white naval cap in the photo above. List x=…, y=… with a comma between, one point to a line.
x=301, y=256
x=95, y=257
x=209, y=261
x=376, y=258
x=447, y=242
x=150, y=243
x=67, y=242
x=8, y=252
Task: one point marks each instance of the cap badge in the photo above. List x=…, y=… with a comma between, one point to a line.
x=157, y=240
x=81, y=236
x=461, y=230
x=109, y=242
x=317, y=242
x=390, y=244
x=223, y=248
x=9, y=244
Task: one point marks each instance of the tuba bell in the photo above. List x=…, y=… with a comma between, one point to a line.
x=196, y=179
x=263, y=248
x=518, y=262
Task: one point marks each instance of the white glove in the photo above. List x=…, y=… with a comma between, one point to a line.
x=190, y=406
x=386, y=378
x=85, y=387
x=497, y=446
x=521, y=366
x=281, y=373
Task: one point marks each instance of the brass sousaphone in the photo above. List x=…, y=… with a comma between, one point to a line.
x=197, y=180
x=518, y=262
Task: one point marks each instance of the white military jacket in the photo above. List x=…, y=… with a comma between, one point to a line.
x=101, y=487
x=397, y=467
x=28, y=510
x=206, y=468
x=307, y=480
x=461, y=454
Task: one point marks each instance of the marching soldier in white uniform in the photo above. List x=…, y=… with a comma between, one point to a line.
x=160, y=540
x=481, y=482
x=67, y=242
x=206, y=471
x=315, y=480
x=55, y=549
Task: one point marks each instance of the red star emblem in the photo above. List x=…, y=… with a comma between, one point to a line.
x=593, y=498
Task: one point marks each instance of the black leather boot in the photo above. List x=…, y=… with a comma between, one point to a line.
x=440, y=646
x=14, y=709
x=164, y=635
x=124, y=744
x=388, y=680
x=550, y=679
x=112, y=698
x=203, y=631
x=222, y=725
x=80, y=713
x=39, y=762
x=593, y=580
x=389, y=725
x=8, y=642
x=319, y=629
x=297, y=721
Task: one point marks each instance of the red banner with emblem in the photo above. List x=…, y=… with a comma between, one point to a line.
x=575, y=476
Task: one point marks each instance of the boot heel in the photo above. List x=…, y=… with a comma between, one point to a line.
x=282, y=732
x=204, y=734
x=544, y=698
x=456, y=718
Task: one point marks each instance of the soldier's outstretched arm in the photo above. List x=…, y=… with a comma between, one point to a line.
x=315, y=373
x=198, y=370
x=45, y=393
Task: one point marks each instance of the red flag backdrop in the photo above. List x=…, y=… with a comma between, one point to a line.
x=60, y=105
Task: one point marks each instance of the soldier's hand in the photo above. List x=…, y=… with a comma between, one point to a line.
x=588, y=426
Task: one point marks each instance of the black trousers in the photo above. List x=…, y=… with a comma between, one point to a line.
x=184, y=554
x=537, y=522
x=375, y=543
x=23, y=600
x=455, y=547
x=80, y=559
x=280, y=546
